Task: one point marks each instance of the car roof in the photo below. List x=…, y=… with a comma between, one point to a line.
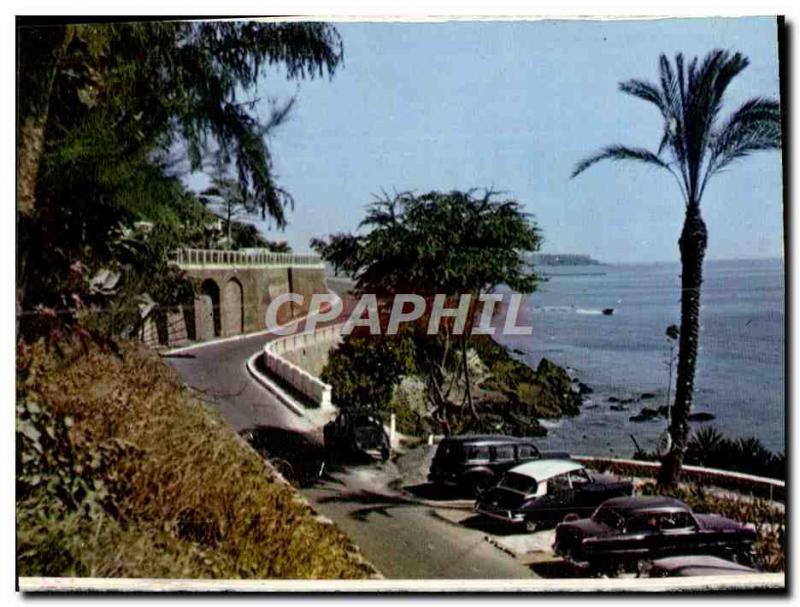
x=699, y=563
x=485, y=438
x=543, y=469
x=637, y=503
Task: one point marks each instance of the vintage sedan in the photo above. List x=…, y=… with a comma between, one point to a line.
x=476, y=462
x=357, y=432
x=544, y=492
x=693, y=566
x=625, y=531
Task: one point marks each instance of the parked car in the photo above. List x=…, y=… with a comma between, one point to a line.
x=690, y=566
x=545, y=491
x=624, y=531
x=477, y=462
x=357, y=431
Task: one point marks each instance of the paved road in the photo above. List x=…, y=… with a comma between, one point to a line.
x=218, y=371
x=404, y=539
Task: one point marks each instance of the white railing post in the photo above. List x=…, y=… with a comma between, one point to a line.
x=189, y=256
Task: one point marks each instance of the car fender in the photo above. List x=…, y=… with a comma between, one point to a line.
x=483, y=471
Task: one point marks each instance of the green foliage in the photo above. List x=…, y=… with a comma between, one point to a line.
x=83, y=475
x=364, y=370
x=451, y=243
x=190, y=500
x=708, y=448
x=124, y=109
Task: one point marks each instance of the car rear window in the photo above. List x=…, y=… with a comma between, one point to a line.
x=518, y=482
x=606, y=515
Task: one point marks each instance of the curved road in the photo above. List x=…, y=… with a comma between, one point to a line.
x=403, y=538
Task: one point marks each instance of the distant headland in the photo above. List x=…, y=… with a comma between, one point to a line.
x=565, y=259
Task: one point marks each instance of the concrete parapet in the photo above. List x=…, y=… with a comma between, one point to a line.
x=305, y=383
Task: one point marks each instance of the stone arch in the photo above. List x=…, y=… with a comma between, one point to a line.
x=233, y=308
x=209, y=322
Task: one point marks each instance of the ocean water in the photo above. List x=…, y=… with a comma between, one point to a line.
x=740, y=372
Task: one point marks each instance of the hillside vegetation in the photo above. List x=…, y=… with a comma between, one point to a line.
x=123, y=472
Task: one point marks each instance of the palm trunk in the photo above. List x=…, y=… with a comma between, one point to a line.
x=692, y=243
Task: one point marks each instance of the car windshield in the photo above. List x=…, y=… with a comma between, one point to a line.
x=518, y=482
x=606, y=515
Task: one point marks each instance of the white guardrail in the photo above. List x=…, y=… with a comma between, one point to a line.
x=305, y=383
x=250, y=257
x=772, y=489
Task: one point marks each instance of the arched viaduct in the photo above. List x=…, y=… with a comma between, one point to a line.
x=234, y=288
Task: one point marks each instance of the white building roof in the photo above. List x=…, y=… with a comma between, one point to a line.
x=543, y=469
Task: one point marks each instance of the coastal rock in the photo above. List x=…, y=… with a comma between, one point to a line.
x=584, y=389
x=618, y=408
x=648, y=414
x=546, y=392
x=612, y=399
x=646, y=395
x=701, y=416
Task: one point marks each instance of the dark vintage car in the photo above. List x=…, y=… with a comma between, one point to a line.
x=626, y=531
x=692, y=566
x=546, y=491
x=357, y=432
x=477, y=462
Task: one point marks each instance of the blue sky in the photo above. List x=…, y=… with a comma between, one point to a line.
x=513, y=105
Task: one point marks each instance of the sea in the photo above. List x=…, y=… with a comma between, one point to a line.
x=741, y=363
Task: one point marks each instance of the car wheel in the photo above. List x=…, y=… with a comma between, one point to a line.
x=385, y=453
x=531, y=526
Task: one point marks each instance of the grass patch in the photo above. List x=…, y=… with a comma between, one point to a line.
x=122, y=472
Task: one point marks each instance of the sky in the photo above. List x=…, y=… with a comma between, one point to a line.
x=513, y=106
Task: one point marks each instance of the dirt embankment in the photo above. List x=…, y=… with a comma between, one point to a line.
x=123, y=472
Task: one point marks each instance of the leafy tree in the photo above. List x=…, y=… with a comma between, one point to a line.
x=449, y=243
x=109, y=116
x=696, y=145
x=227, y=194
x=363, y=371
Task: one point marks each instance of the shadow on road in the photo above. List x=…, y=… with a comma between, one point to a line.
x=490, y=525
x=374, y=502
x=438, y=493
x=301, y=458
x=558, y=569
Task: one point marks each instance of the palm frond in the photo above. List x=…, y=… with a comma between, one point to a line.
x=755, y=126
x=644, y=90
x=620, y=152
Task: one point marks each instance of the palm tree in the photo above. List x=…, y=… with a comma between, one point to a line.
x=696, y=145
